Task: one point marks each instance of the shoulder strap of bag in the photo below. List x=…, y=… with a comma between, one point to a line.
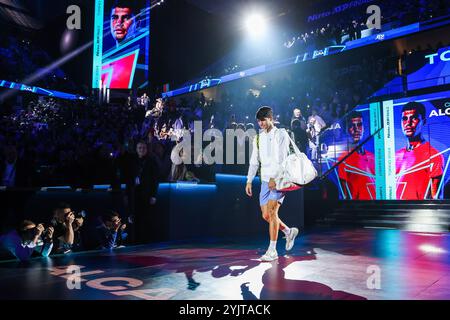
x=292, y=143
x=259, y=156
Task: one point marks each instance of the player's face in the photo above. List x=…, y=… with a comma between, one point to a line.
x=266, y=123
x=411, y=123
x=356, y=129
x=297, y=113
x=121, y=21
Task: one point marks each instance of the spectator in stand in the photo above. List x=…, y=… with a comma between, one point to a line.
x=15, y=172
x=315, y=126
x=300, y=135
x=317, y=120
x=179, y=170
x=145, y=101
x=297, y=115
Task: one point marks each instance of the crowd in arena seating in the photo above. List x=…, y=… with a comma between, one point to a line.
x=349, y=25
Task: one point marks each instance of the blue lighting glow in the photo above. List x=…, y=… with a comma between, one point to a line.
x=332, y=50
x=187, y=186
x=234, y=178
x=39, y=91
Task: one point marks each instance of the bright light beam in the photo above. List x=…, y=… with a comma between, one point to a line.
x=256, y=25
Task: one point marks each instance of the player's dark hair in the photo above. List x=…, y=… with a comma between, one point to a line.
x=264, y=112
x=419, y=107
x=353, y=115
x=125, y=4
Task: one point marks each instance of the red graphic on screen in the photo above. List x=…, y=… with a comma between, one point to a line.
x=117, y=74
x=419, y=165
x=356, y=173
x=416, y=168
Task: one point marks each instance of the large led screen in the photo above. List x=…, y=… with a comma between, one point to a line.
x=121, y=44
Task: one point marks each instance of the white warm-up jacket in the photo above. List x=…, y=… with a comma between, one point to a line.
x=273, y=150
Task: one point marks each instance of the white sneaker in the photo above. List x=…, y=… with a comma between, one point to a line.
x=290, y=239
x=270, y=255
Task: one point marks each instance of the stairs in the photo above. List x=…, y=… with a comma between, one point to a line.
x=420, y=216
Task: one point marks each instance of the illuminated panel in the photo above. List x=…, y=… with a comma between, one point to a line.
x=121, y=45
x=39, y=91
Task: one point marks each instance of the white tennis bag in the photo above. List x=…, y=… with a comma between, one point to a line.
x=297, y=171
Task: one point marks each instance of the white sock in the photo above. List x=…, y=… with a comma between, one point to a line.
x=286, y=231
x=273, y=245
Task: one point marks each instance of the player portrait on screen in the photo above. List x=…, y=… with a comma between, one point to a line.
x=125, y=45
x=123, y=21
x=356, y=173
x=419, y=166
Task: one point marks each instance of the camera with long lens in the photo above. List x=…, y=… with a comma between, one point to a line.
x=81, y=214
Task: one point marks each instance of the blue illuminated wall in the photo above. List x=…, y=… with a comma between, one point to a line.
x=221, y=209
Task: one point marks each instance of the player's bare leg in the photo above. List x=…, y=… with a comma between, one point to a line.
x=265, y=216
x=290, y=233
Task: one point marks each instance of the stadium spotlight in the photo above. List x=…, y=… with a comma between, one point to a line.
x=256, y=25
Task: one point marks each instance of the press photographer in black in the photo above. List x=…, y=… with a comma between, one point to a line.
x=67, y=224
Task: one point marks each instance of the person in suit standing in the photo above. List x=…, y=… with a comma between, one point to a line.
x=142, y=186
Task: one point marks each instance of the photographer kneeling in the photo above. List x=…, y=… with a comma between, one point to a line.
x=110, y=233
x=67, y=226
x=27, y=239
